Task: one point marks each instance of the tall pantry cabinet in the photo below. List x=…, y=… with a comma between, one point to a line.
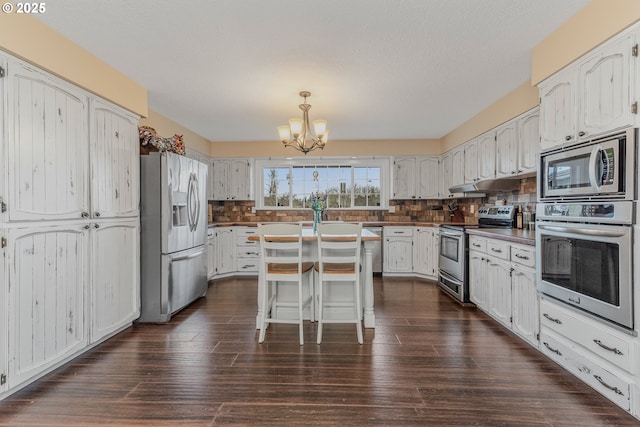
x=69, y=221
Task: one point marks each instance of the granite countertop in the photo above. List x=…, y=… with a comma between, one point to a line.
x=525, y=237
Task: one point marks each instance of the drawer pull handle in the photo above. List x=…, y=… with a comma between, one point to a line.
x=498, y=251
x=477, y=245
x=554, y=320
x=521, y=256
x=616, y=390
x=613, y=350
x=552, y=349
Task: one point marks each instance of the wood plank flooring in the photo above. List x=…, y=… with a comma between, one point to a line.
x=429, y=362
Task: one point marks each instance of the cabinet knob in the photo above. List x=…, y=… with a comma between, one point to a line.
x=568, y=137
x=96, y=225
x=582, y=133
x=96, y=214
x=85, y=214
x=86, y=227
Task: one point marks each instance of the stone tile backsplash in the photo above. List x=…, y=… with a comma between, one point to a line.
x=405, y=210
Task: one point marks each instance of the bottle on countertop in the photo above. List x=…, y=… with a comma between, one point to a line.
x=519, y=217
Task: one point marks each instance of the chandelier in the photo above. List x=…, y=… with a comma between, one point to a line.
x=299, y=134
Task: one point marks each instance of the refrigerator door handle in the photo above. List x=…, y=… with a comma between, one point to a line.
x=196, y=193
x=190, y=202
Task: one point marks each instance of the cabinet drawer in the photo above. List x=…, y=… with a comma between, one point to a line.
x=563, y=352
x=398, y=231
x=243, y=241
x=526, y=257
x=477, y=244
x=247, y=264
x=594, y=336
x=498, y=249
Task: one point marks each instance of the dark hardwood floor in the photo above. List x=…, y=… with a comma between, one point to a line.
x=428, y=362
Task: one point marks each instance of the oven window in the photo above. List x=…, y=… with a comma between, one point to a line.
x=449, y=247
x=587, y=267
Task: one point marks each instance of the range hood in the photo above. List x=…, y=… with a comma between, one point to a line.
x=487, y=186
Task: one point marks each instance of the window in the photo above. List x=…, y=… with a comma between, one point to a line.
x=347, y=184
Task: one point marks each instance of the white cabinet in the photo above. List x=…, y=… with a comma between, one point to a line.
x=604, y=89
x=47, y=296
x=114, y=154
x=471, y=166
x=502, y=284
x=397, y=250
x=486, y=155
x=425, y=251
x=211, y=253
x=506, y=150
x=528, y=141
x=115, y=289
x=70, y=253
x=557, y=109
x=447, y=172
x=602, y=357
x=416, y=178
x=247, y=251
x=48, y=176
x=592, y=96
x=225, y=250
x=231, y=179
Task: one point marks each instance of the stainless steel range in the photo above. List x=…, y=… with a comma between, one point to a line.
x=453, y=259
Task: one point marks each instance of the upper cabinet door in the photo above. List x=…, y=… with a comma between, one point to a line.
x=557, y=110
x=506, y=150
x=486, y=155
x=239, y=179
x=471, y=161
x=428, y=185
x=47, y=147
x=115, y=164
x=404, y=178
x=604, y=90
x=528, y=141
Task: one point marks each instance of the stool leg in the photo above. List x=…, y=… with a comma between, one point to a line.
x=265, y=310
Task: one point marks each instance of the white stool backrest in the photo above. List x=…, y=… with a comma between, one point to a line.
x=280, y=243
x=339, y=243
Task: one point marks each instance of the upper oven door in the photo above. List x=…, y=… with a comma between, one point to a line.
x=587, y=266
x=598, y=169
x=452, y=248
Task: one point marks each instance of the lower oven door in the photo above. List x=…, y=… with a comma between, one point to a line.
x=587, y=266
x=452, y=286
x=452, y=252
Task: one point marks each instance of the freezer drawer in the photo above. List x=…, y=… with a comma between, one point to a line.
x=183, y=279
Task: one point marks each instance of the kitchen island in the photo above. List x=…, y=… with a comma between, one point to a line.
x=310, y=253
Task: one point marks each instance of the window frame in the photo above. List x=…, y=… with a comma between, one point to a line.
x=383, y=164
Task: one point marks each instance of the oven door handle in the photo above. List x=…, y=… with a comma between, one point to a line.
x=583, y=231
x=454, y=235
x=450, y=278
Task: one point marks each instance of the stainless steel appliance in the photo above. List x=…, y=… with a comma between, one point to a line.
x=453, y=259
x=584, y=251
x=598, y=169
x=174, y=232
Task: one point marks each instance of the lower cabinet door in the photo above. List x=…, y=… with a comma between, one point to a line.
x=46, y=297
x=115, y=282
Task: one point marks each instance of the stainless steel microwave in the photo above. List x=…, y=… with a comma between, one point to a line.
x=598, y=169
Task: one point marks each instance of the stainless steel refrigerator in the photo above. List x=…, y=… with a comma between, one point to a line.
x=173, y=207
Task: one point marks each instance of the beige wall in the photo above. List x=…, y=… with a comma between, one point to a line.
x=167, y=128
x=27, y=38
x=368, y=148
x=523, y=98
x=597, y=22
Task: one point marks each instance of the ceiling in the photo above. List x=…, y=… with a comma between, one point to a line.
x=231, y=70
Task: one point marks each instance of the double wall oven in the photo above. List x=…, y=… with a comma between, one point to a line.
x=454, y=250
x=584, y=230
